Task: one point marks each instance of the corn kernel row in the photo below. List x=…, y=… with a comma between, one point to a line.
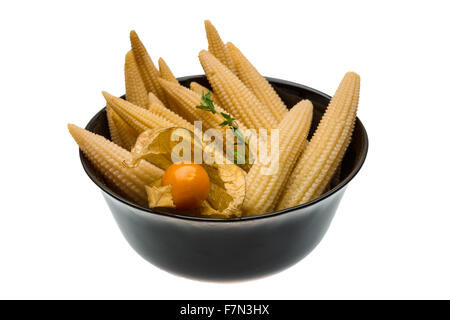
x=262, y=190
x=327, y=147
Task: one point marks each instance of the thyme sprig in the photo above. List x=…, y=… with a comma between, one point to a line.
x=208, y=105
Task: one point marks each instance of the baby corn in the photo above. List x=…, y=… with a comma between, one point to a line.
x=154, y=99
x=138, y=118
x=186, y=101
x=171, y=116
x=198, y=88
x=257, y=83
x=335, y=168
x=147, y=69
x=217, y=47
x=121, y=133
x=107, y=158
x=136, y=92
x=165, y=72
x=263, y=190
x=327, y=147
x=112, y=127
x=234, y=95
x=127, y=134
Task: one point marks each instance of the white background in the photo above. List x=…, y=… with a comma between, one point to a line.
x=391, y=235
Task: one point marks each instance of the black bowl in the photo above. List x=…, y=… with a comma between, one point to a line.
x=236, y=249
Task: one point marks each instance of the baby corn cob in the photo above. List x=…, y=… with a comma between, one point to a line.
x=187, y=100
x=334, y=168
x=147, y=69
x=217, y=47
x=126, y=133
x=136, y=92
x=335, y=179
x=112, y=126
x=154, y=99
x=138, y=118
x=171, y=116
x=121, y=133
x=327, y=147
x=198, y=88
x=257, y=83
x=165, y=72
x=234, y=95
x=263, y=190
x=107, y=158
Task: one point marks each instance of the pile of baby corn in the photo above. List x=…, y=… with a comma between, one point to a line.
x=155, y=99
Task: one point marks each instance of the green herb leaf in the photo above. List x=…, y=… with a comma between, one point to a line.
x=208, y=105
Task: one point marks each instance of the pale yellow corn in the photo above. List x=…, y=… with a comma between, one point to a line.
x=138, y=118
x=121, y=133
x=217, y=47
x=136, y=92
x=147, y=69
x=334, y=168
x=327, y=147
x=187, y=100
x=236, y=98
x=108, y=157
x=171, y=116
x=154, y=99
x=335, y=179
x=263, y=190
x=127, y=134
x=165, y=72
x=112, y=126
x=257, y=83
x=198, y=88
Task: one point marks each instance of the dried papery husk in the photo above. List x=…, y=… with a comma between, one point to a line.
x=156, y=146
x=160, y=196
x=227, y=180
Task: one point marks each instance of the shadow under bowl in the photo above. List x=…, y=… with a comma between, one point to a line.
x=235, y=249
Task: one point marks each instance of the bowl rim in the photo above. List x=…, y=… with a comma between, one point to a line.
x=327, y=194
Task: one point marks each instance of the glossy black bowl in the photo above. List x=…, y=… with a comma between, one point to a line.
x=244, y=248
